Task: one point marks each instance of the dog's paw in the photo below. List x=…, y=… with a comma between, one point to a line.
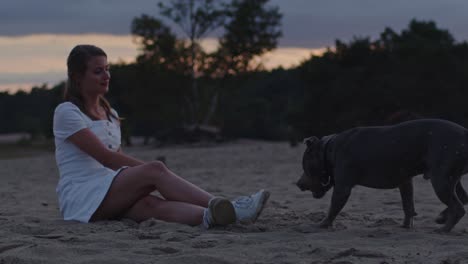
x=408, y=223
x=440, y=220
x=442, y=217
x=325, y=224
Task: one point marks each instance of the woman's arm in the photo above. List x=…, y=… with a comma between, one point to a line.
x=86, y=141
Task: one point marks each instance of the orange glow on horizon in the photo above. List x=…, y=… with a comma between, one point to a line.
x=33, y=60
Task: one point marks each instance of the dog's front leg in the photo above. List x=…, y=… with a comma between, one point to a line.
x=406, y=192
x=339, y=198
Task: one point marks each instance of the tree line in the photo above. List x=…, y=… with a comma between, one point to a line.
x=175, y=88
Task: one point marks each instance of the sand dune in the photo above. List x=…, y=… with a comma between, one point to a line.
x=367, y=230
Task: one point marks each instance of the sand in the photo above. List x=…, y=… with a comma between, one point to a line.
x=366, y=231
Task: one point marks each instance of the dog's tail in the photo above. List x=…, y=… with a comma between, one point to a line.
x=465, y=146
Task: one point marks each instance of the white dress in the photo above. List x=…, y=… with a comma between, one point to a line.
x=83, y=181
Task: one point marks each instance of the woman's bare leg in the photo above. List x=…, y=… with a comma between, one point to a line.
x=135, y=183
x=169, y=211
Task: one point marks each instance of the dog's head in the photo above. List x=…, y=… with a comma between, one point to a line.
x=314, y=177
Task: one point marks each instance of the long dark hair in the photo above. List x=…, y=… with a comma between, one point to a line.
x=77, y=65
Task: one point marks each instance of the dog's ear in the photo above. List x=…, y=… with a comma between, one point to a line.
x=311, y=141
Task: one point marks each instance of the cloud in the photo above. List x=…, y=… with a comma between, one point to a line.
x=36, y=36
x=24, y=17
x=319, y=23
x=41, y=59
x=305, y=23
x=40, y=53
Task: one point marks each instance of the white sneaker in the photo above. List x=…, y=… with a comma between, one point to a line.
x=220, y=212
x=248, y=208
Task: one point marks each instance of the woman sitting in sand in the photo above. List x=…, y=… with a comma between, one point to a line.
x=99, y=182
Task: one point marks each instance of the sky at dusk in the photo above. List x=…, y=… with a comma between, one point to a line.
x=36, y=36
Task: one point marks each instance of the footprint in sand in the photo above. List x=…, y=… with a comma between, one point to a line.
x=205, y=244
x=379, y=233
x=31, y=229
x=163, y=250
x=456, y=259
x=307, y=228
x=197, y=259
x=7, y=247
x=87, y=251
x=158, y=251
x=384, y=222
x=49, y=236
x=316, y=216
x=176, y=236
x=352, y=252
x=144, y=236
x=277, y=205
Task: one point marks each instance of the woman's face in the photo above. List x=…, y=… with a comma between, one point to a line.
x=95, y=81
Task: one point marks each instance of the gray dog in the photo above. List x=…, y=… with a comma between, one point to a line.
x=388, y=157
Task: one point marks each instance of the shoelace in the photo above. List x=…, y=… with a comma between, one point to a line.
x=243, y=202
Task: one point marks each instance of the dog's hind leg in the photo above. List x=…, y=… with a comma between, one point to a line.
x=406, y=192
x=445, y=189
x=461, y=193
x=462, y=196
x=442, y=217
